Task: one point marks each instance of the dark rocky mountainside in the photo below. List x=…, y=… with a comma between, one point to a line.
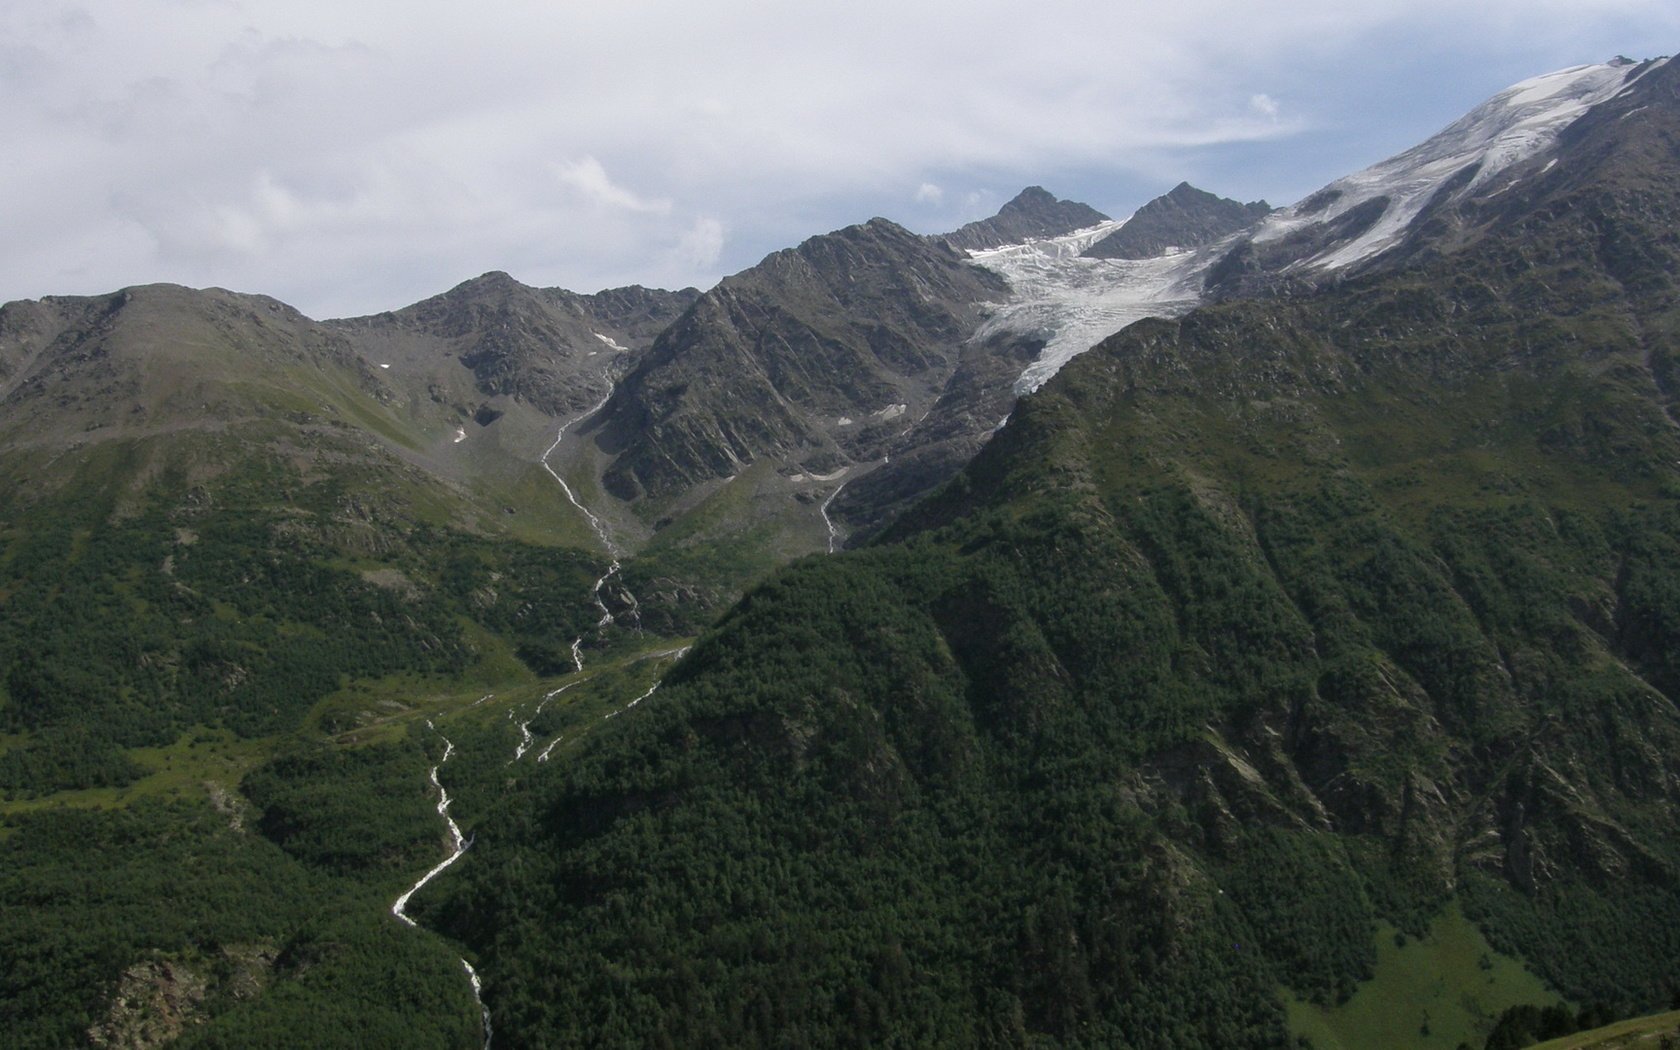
x=1034, y=212
x=816, y=358
x=543, y=346
x=1185, y=217
x=1373, y=592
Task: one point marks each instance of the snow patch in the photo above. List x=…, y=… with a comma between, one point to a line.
x=612, y=344
x=1514, y=125
x=1073, y=303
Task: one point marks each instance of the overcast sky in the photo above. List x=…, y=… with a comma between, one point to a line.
x=351, y=156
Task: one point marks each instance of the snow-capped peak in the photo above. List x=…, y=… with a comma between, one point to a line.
x=1512, y=126
x=1073, y=302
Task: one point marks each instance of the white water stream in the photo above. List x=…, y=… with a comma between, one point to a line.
x=526, y=739
x=600, y=529
x=675, y=654
x=833, y=529
x=458, y=844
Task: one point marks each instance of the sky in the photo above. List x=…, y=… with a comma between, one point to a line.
x=353, y=156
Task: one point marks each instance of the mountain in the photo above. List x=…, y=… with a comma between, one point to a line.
x=547, y=347
x=814, y=359
x=1377, y=216
x=1033, y=213
x=240, y=551
x=1371, y=591
x=1184, y=217
x=1068, y=301
x=1341, y=551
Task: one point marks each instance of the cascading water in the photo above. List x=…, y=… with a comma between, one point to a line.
x=458, y=844
x=599, y=528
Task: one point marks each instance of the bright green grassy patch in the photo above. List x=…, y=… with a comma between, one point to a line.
x=186, y=768
x=543, y=515
x=1639, y=1032
x=377, y=708
x=494, y=661
x=1433, y=993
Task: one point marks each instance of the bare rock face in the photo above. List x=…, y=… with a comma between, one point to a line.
x=157, y=1000
x=820, y=356
x=547, y=347
x=1186, y=217
x=154, y=1004
x=1035, y=212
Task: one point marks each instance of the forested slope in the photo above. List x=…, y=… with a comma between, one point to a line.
x=1249, y=630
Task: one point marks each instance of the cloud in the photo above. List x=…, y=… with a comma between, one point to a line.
x=589, y=177
x=356, y=157
x=701, y=246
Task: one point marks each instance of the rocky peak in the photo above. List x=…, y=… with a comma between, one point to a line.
x=1034, y=212
x=1184, y=217
x=793, y=358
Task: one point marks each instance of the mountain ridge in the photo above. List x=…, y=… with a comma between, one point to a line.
x=1184, y=217
x=1034, y=212
x=1370, y=591
x=1368, y=583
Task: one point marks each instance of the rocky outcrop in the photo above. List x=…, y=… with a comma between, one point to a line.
x=1184, y=218
x=820, y=355
x=1035, y=212
x=547, y=347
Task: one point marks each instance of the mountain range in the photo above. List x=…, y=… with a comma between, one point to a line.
x=1201, y=557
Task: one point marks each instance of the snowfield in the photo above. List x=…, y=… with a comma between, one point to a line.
x=1073, y=303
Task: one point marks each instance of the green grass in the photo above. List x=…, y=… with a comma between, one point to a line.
x=182, y=769
x=1433, y=993
x=1639, y=1032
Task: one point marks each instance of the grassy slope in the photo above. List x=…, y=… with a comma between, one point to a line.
x=1658, y=1030
x=1426, y=993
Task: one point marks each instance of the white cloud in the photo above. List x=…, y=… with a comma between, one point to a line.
x=355, y=157
x=588, y=176
x=699, y=249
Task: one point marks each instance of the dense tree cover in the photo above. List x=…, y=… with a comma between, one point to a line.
x=1063, y=776
x=360, y=810
x=76, y=756
x=242, y=626
x=1250, y=630
x=923, y=890
x=1522, y=1026
x=122, y=626
x=281, y=953
x=128, y=616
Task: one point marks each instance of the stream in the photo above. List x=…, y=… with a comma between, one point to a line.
x=458, y=844
x=599, y=527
